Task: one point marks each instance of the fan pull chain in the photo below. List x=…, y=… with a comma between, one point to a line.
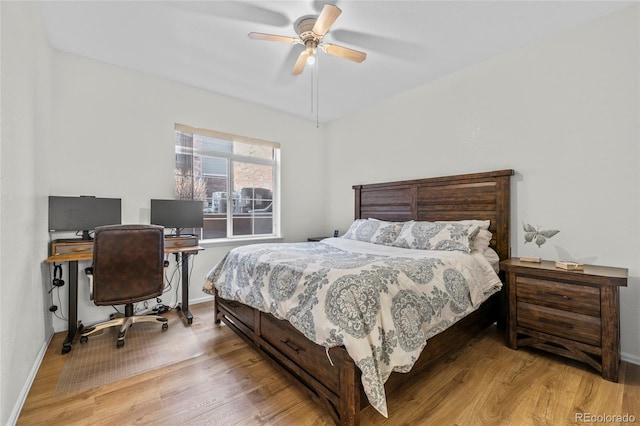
x=313, y=75
x=317, y=90
x=314, y=90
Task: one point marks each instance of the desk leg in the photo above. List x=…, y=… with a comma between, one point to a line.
x=73, y=307
x=185, y=288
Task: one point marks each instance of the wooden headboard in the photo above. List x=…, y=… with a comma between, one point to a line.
x=479, y=196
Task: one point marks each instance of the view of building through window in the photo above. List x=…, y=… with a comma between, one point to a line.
x=234, y=178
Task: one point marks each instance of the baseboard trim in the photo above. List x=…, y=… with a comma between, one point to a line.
x=15, y=413
x=631, y=359
x=202, y=299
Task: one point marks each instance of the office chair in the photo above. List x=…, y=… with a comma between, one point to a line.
x=128, y=267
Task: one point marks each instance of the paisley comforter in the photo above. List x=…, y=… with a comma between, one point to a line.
x=381, y=303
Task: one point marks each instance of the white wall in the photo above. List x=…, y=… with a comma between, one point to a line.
x=564, y=113
x=25, y=114
x=113, y=134
x=74, y=126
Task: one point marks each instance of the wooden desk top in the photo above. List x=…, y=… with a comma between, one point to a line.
x=70, y=257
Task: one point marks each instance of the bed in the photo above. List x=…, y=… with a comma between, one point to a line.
x=340, y=382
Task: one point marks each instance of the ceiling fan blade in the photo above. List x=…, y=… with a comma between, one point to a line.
x=273, y=37
x=300, y=63
x=327, y=17
x=344, y=52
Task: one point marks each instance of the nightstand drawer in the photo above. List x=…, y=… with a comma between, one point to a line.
x=569, y=325
x=553, y=294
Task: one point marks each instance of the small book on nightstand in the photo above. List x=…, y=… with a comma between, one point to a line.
x=569, y=266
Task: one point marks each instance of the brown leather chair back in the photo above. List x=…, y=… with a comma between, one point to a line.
x=128, y=263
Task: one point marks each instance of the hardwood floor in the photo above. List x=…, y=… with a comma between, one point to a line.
x=484, y=384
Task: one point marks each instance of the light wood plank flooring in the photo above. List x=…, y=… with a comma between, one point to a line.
x=484, y=384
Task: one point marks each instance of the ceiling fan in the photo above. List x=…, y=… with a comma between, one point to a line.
x=311, y=30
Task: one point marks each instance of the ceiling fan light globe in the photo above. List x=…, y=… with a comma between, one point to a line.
x=311, y=59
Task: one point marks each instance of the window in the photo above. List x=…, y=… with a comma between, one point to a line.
x=236, y=179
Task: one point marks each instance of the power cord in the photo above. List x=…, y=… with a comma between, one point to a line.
x=56, y=283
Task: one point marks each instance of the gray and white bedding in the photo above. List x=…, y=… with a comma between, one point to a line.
x=380, y=302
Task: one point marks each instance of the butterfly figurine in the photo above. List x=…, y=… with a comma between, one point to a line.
x=535, y=234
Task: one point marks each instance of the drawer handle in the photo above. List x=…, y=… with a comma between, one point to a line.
x=560, y=296
x=80, y=249
x=290, y=345
x=556, y=323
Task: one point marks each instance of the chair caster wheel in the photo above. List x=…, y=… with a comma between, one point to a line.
x=165, y=326
x=84, y=339
x=120, y=343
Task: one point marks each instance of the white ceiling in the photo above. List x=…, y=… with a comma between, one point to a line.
x=205, y=44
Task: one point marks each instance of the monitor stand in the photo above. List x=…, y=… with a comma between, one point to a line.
x=178, y=234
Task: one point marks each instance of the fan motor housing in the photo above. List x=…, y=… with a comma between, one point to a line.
x=304, y=26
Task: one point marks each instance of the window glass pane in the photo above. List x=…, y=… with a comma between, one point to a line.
x=208, y=143
x=184, y=161
x=189, y=186
x=252, y=199
x=259, y=151
x=243, y=196
x=215, y=214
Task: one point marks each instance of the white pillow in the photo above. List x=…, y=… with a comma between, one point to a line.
x=493, y=258
x=481, y=241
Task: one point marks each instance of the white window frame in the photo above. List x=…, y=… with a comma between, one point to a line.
x=232, y=157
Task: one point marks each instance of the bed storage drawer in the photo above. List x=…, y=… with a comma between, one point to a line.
x=239, y=312
x=300, y=350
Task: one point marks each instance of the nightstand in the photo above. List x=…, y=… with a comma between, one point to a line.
x=575, y=314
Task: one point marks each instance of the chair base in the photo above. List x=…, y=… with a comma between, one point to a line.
x=124, y=323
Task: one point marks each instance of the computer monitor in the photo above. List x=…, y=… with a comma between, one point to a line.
x=83, y=214
x=177, y=214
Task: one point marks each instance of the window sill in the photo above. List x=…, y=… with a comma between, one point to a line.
x=239, y=241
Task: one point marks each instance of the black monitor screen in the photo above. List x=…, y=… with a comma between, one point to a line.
x=83, y=213
x=177, y=214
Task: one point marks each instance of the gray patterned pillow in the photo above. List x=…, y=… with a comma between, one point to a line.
x=374, y=231
x=482, y=240
x=437, y=236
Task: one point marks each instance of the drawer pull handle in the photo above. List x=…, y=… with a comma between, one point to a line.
x=558, y=296
x=290, y=345
x=80, y=249
x=556, y=323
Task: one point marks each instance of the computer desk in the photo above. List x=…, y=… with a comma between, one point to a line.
x=74, y=251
